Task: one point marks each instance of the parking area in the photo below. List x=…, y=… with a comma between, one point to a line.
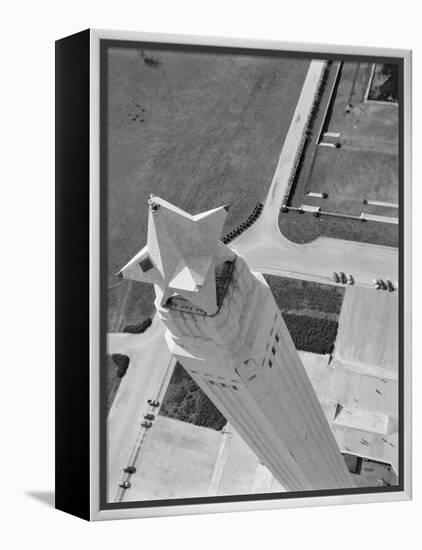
x=365, y=166
x=354, y=168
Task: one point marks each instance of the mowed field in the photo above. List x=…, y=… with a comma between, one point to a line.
x=368, y=328
x=351, y=175
x=200, y=130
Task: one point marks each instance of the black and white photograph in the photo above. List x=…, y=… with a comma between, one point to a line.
x=251, y=204
x=210, y=312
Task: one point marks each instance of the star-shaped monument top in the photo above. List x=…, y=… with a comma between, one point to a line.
x=181, y=254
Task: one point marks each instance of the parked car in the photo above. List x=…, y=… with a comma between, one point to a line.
x=376, y=284
x=146, y=424
x=390, y=286
x=383, y=286
x=350, y=279
x=336, y=277
x=149, y=416
x=125, y=484
x=343, y=277
x=153, y=403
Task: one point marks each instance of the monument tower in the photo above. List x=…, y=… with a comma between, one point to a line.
x=225, y=328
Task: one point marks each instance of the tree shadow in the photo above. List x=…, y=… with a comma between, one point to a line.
x=45, y=497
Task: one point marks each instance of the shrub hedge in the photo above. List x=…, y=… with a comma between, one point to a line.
x=311, y=333
x=294, y=294
x=139, y=328
x=114, y=375
x=121, y=362
x=184, y=400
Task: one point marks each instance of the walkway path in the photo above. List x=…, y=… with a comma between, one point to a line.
x=150, y=369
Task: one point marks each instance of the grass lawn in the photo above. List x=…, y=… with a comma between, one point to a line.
x=349, y=175
x=304, y=228
x=310, y=310
x=198, y=129
x=129, y=303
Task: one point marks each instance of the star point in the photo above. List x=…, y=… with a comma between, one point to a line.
x=181, y=254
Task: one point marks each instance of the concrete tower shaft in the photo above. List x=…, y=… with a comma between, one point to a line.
x=235, y=344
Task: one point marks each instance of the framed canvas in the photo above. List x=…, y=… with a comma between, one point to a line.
x=233, y=274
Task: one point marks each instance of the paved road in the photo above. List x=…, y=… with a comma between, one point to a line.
x=150, y=370
x=266, y=250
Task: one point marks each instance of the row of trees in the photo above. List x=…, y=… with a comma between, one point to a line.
x=186, y=401
x=307, y=137
x=256, y=212
x=311, y=333
x=138, y=328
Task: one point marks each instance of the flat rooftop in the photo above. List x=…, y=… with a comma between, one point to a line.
x=368, y=331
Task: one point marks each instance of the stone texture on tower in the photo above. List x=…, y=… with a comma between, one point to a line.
x=224, y=327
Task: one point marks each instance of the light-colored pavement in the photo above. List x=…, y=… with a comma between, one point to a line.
x=177, y=461
x=150, y=369
x=266, y=250
x=180, y=460
x=221, y=461
x=366, y=424
x=368, y=332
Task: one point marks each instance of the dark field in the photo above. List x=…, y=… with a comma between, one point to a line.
x=312, y=334
x=185, y=401
x=200, y=130
x=306, y=297
x=364, y=167
x=310, y=310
